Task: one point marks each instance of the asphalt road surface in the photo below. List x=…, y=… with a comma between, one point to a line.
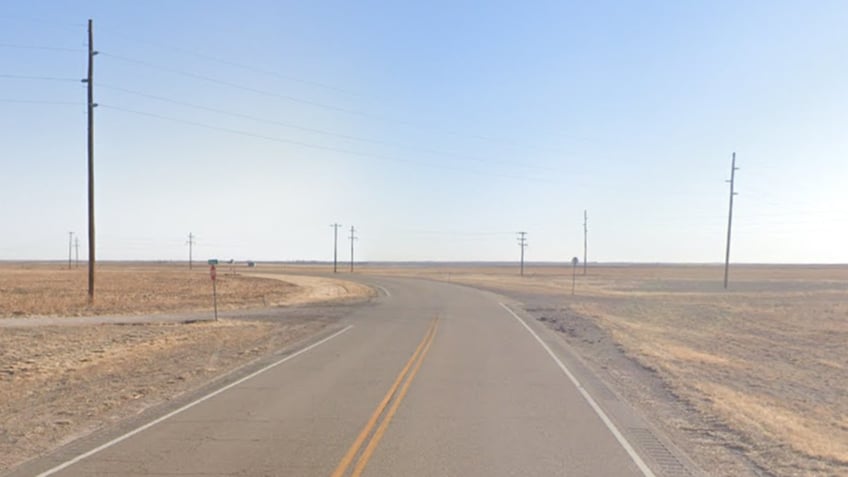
x=433, y=379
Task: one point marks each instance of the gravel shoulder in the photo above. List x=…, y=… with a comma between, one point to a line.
x=748, y=381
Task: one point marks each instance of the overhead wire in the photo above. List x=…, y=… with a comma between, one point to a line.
x=319, y=131
x=318, y=104
x=204, y=56
x=37, y=78
x=314, y=146
x=39, y=47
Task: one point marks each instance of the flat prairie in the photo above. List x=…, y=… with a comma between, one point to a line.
x=51, y=289
x=760, y=369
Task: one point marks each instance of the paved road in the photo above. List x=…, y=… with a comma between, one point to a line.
x=432, y=380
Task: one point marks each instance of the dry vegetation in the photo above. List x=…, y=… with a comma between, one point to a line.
x=765, y=359
x=63, y=381
x=53, y=290
x=80, y=378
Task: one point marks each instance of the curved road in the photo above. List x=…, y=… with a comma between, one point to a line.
x=432, y=379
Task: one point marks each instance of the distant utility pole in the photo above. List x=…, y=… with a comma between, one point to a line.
x=91, y=105
x=76, y=252
x=335, y=246
x=70, y=247
x=352, y=237
x=522, y=242
x=585, y=235
x=732, y=182
x=190, y=243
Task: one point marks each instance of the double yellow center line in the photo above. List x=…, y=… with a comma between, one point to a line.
x=402, y=382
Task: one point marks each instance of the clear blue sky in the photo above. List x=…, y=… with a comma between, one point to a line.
x=438, y=129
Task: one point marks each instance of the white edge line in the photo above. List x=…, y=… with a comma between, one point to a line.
x=384, y=290
x=646, y=471
x=173, y=413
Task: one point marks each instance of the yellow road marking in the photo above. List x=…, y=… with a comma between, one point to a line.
x=378, y=434
x=360, y=439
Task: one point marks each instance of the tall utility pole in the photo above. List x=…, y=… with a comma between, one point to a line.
x=190, y=243
x=76, y=252
x=335, y=247
x=522, y=242
x=732, y=182
x=70, y=247
x=352, y=237
x=91, y=105
x=585, y=236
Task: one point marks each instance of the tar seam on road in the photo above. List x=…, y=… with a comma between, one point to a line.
x=384, y=290
x=171, y=414
x=414, y=363
x=646, y=471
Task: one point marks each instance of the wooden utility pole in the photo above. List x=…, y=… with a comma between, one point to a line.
x=76, y=252
x=190, y=243
x=585, y=236
x=353, y=237
x=91, y=105
x=732, y=182
x=335, y=246
x=70, y=247
x=522, y=242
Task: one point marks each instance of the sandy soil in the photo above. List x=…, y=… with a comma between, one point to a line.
x=59, y=383
x=759, y=371
x=53, y=290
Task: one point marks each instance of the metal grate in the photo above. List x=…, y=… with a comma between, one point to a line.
x=667, y=464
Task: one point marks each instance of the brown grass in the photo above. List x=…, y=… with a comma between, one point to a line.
x=60, y=382
x=767, y=358
x=53, y=290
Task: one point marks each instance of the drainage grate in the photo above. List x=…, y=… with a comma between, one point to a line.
x=667, y=464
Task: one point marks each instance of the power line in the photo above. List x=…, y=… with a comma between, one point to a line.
x=320, y=131
x=229, y=84
x=38, y=101
x=318, y=104
x=317, y=146
x=37, y=47
x=184, y=51
x=37, y=78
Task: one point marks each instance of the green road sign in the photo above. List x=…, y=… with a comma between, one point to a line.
x=212, y=261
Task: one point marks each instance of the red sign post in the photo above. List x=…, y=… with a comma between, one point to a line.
x=213, y=274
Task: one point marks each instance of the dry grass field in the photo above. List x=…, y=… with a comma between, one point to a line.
x=63, y=381
x=41, y=289
x=763, y=364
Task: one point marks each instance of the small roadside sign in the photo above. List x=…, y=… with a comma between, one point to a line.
x=213, y=274
x=212, y=261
